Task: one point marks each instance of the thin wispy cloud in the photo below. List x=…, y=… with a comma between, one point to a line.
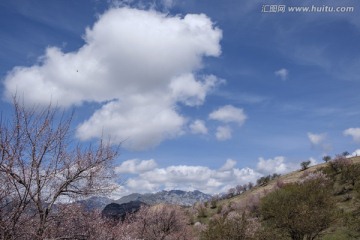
x=228, y=166
x=135, y=166
x=198, y=127
x=228, y=114
x=223, y=133
x=319, y=141
x=316, y=139
x=354, y=133
x=282, y=73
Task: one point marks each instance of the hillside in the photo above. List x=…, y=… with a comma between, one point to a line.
x=320, y=202
x=288, y=178
x=341, y=192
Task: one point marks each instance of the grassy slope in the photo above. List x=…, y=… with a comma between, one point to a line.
x=335, y=232
x=288, y=178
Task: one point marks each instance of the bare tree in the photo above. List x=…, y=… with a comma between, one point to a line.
x=214, y=201
x=240, y=189
x=40, y=165
x=231, y=192
x=160, y=222
x=231, y=226
x=250, y=185
x=73, y=221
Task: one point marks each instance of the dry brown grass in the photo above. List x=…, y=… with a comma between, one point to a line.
x=261, y=191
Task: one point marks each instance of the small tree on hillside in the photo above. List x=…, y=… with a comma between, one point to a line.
x=214, y=201
x=305, y=165
x=345, y=154
x=240, y=189
x=263, y=180
x=275, y=176
x=326, y=158
x=231, y=192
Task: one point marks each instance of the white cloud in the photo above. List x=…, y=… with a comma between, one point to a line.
x=229, y=114
x=137, y=122
x=313, y=161
x=223, y=133
x=188, y=90
x=140, y=186
x=276, y=165
x=282, y=73
x=229, y=165
x=198, y=127
x=202, y=178
x=189, y=178
x=316, y=139
x=354, y=133
x=142, y=59
x=136, y=166
x=168, y=3
x=355, y=153
x=319, y=141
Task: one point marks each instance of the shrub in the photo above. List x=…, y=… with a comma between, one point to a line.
x=318, y=175
x=339, y=164
x=263, y=180
x=234, y=226
x=253, y=204
x=213, y=202
x=167, y=222
x=201, y=210
x=299, y=209
x=279, y=184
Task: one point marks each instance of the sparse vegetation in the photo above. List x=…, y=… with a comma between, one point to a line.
x=317, y=211
x=265, y=180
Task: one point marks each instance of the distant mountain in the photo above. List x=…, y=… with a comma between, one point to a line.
x=95, y=202
x=177, y=197
x=117, y=211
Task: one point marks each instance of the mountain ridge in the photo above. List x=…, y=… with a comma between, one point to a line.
x=178, y=197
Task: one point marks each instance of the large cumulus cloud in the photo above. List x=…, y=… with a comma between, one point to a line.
x=138, y=63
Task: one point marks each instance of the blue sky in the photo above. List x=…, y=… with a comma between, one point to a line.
x=206, y=94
